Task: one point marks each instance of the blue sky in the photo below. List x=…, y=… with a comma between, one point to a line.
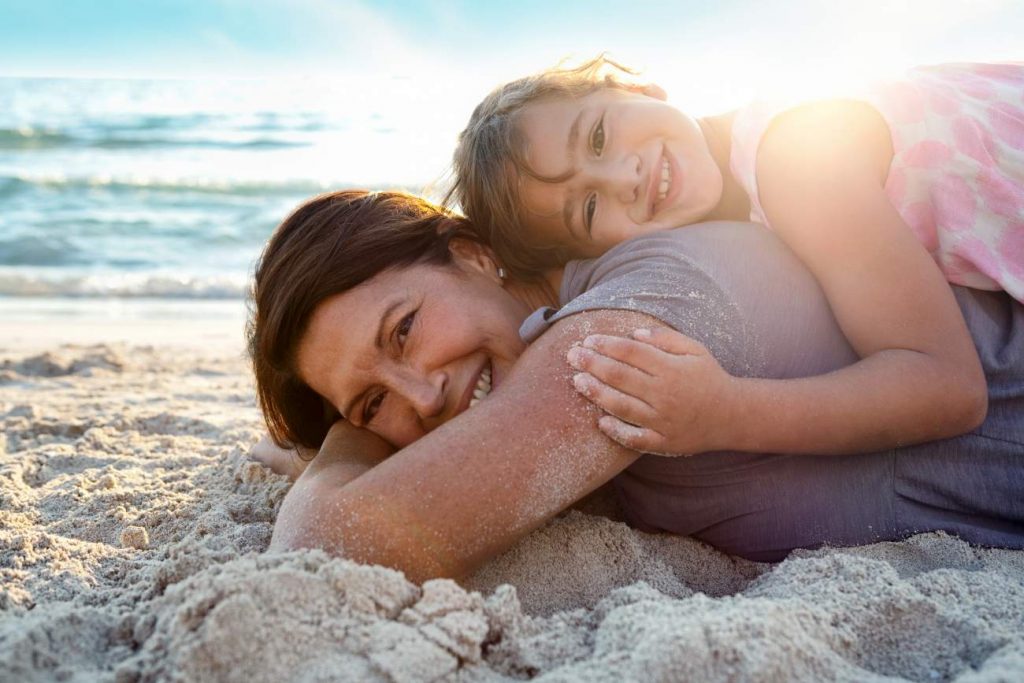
x=405, y=75
x=278, y=37
x=426, y=64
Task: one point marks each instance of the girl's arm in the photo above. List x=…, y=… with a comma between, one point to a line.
x=821, y=171
x=472, y=487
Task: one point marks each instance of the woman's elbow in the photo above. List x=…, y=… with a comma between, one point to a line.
x=368, y=534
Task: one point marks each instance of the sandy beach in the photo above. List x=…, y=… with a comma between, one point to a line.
x=134, y=528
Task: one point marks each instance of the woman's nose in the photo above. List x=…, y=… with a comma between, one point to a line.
x=426, y=394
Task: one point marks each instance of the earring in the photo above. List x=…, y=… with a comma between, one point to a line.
x=501, y=273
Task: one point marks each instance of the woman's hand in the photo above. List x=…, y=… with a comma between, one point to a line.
x=357, y=446
x=361, y=447
x=662, y=391
x=287, y=461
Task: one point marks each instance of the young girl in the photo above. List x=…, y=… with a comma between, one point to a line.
x=886, y=198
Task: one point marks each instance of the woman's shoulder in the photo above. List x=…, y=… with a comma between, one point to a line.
x=733, y=286
x=688, y=251
x=678, y=276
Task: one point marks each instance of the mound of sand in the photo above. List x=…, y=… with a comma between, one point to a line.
x=132, y=531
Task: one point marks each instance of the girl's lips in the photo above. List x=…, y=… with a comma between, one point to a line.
x=675, y=182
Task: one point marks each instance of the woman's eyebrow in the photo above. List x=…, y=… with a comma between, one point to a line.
x=378, y=343
x=385, y=316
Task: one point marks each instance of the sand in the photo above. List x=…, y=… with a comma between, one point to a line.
x=133, y=529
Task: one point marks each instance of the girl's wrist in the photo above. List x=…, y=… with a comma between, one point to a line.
x=733, y=433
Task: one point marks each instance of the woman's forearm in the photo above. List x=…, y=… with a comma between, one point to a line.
x=472, y=487
x=892, y=398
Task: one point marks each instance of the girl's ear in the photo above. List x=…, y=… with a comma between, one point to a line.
x=472, y=256
x=650, y=89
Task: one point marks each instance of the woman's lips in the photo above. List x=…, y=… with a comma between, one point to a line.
x=483, y=387
x=481, y=382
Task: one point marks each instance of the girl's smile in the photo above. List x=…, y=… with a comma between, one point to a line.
x=611, y=165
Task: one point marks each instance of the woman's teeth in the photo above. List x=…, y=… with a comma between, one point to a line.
x=483, y=387
x=666, y=179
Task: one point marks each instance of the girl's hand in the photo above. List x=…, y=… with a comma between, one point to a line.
x=664, y=392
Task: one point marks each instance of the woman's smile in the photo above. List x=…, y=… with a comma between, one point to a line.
x=464, y=337
x=482, y=387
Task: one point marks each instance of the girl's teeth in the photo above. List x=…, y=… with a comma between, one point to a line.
x=666, y=179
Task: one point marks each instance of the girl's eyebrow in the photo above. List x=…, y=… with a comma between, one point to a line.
x=568, y=207
x=569, y=210
x=574, y=137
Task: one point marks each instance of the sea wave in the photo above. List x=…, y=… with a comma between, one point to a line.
x=12, y=185
x=130, y=286
x=28, y=139
x=31, y=250
x=32, y=138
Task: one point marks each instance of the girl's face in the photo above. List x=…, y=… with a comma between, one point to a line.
x=625, y=164
x=412, y=347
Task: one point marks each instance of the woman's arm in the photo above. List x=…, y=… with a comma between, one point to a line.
x=364, y=449
x=821, y=172
x=472, y=487
x=290, y=462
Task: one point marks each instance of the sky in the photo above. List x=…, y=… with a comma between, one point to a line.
x=251, y=38
x=428, y=63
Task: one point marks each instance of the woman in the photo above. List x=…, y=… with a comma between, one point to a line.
x=382, y=309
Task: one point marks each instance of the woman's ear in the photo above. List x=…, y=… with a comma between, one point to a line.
x=472, y=256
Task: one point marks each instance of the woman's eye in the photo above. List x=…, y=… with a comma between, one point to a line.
x=597, y=138
x=404, y=326
x=372, y=407
x=589, y=207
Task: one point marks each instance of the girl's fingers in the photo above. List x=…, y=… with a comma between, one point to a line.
x=613, y=401
x=633, y=437
x=636, y=354
x=669, y=341
x=624, y=376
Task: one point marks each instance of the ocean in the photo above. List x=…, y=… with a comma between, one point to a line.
x=135, y=189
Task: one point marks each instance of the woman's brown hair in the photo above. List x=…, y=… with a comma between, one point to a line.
x=327, y=246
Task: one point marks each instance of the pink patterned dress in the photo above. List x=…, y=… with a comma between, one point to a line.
x=957, y=173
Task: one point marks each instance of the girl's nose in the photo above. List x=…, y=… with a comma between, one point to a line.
x=622, y=178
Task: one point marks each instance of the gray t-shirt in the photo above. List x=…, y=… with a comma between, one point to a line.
x=736, y=288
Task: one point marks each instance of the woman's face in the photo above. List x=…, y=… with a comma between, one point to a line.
x=631, y=164
x=408, y=349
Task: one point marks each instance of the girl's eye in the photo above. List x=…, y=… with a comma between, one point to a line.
x=597, y=137
x=404, y=326
x=589, y=207
x=372, y=407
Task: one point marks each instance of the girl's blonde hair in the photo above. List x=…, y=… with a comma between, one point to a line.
x=490, y=157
